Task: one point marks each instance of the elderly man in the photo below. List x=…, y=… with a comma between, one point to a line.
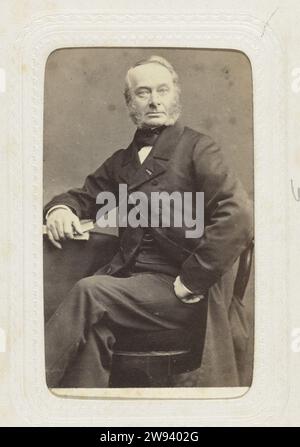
x=160, y=280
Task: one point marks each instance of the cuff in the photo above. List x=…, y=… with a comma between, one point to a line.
x=57, y=207
x=186, y=289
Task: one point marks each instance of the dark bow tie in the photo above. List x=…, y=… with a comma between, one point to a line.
x=147, y=137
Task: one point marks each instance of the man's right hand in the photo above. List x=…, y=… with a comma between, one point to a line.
x=61, y=224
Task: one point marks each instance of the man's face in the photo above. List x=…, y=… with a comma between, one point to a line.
x=154, y=97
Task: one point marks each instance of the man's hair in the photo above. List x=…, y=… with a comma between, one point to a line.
x=151, y=60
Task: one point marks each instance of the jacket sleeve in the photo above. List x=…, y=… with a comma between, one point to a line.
x=82, y=200
x=228, y=217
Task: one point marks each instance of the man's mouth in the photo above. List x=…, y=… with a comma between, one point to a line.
x=155, y=113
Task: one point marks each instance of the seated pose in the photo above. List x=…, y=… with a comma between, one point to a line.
x=169, y=271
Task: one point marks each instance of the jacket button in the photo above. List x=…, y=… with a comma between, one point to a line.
x=154, y=182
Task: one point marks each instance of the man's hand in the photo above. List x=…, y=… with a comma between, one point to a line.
x=184, y=294
x=61, y=224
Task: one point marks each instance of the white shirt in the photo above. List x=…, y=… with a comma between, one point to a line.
x=144, y=152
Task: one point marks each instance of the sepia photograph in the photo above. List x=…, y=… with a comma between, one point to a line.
x=148, y=218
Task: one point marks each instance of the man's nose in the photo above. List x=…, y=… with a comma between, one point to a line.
x=154, y=99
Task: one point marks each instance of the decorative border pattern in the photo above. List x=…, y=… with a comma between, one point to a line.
x=39, y=38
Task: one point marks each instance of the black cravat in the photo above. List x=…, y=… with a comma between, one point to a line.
x=146, y=136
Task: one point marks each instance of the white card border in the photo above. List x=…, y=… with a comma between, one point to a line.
x=48, y=32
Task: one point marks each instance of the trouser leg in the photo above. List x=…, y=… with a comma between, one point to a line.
x=142, y=302
x=69, y=328
x=92, y=364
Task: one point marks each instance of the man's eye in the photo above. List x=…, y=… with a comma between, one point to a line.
x=142, y=94
x=163, y=91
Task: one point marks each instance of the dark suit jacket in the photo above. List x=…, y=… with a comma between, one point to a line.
x=186, y=161
x=183, y=160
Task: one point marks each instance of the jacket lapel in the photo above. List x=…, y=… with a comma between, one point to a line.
x=135, y=174
x=130, y=164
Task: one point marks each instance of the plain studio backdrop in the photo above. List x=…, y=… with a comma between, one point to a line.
x=86, y=118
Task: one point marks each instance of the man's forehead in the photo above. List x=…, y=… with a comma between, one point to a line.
x=149, y=74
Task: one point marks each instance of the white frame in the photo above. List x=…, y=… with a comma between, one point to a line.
x=46, y=33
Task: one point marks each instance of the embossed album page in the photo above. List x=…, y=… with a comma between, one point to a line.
x=148, y=274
